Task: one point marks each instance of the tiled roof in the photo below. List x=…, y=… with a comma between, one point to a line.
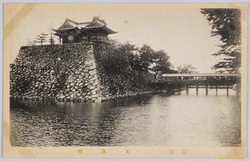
x=70, y=24
x=96, y=23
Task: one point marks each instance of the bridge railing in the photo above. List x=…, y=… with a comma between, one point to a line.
x=200, y=78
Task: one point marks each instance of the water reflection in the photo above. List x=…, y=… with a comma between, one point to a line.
x=153, y=120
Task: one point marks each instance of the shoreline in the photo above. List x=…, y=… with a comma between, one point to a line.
x=83, y=100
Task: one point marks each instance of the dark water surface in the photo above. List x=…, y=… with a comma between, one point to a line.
x=153, y=120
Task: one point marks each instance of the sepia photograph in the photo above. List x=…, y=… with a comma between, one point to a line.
x=125, y=80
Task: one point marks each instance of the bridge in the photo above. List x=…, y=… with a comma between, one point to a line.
x=202, y=80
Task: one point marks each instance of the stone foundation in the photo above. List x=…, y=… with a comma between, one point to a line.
x=74, y=72
x=59, y=72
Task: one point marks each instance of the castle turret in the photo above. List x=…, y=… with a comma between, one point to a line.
x=74, y=32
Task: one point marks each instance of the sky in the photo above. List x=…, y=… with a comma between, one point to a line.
x=181, y=31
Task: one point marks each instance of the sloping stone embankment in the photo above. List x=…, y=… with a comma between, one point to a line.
x=72, y=72
x=59, y=72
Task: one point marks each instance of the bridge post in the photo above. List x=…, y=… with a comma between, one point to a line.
x=206, y=89
x=216, y=88
x=187, y=89
x=227, y=90
x=179, y=90
x=238, y=89
x=197, y=89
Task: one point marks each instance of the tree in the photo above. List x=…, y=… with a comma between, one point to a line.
x=187, y=69
x=226, y=24
x=30, y=42
x=146, y=59
x=143, y=60
x=113, y=59
x=41, y=38
x=146, y=56
x=52, y=38
x=161, y=62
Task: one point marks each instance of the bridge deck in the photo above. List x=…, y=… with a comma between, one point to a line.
x=200, y=80
x=202, y=75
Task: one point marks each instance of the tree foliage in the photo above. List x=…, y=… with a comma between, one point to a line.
x=52, y=37
x=186, y=69
x=145, y=59
x=114, y=60
x=128, y=67
x=41, y=38
x=121, y=57
x=226, y=24
x=162, y=62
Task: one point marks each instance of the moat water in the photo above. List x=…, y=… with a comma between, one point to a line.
x=152, y=120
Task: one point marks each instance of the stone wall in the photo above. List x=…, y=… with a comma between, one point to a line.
x=59, y=72
x=74, y=72
x=117, y=78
